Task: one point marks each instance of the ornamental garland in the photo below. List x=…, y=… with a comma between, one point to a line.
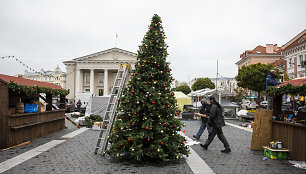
x=287, y=89
x=35, y=89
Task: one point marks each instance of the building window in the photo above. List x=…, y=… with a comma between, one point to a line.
x=301, y=59
x=46, y=78
x=87, y=90
x=87, y=78
x=100, y=77
x=41, y=79
x=290, y=62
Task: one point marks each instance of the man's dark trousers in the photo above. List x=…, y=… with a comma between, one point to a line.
x=217, y=131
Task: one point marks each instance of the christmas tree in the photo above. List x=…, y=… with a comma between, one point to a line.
x=145, y=128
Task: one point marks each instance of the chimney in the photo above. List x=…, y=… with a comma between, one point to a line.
x=269, y=48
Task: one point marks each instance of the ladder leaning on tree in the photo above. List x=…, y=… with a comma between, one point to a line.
x=109, y=115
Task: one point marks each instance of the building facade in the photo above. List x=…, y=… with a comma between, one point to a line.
x=260, y=54
x=95, y=73
x=56, y=77
x=294, y=52
x=226, y=83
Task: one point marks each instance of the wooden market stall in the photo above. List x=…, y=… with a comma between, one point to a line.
x=292, y=134
x=16, y=126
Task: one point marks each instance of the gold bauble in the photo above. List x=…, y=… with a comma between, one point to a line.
x=159, y=93
x=158, y=150
x=133, y=150
x=161, y=131
x=155, y=24
x=148, y=93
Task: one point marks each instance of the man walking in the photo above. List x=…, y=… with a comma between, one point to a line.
x=204, y=111
x=216, y=121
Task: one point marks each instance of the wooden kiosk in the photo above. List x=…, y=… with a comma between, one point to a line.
x=292, y=135
x=16, y=128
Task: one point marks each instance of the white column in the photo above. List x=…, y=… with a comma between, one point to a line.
x=92, y=83
x=77, y=80
x=105, y=82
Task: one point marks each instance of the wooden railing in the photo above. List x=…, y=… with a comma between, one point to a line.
x=28, y=126
x=292, y=136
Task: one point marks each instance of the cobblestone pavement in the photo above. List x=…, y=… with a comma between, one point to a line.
x=4, y=155
x=241, y=159
x=76, y=156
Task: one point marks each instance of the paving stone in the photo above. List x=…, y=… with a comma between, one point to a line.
x=241, y=159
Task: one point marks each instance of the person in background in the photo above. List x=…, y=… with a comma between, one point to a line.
x=216, y=121
x=270, y=81
x=79, y=103
x=204, y=111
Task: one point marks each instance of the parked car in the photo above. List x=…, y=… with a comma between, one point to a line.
x=249, y=105
x=264, y=104
x=286, y=106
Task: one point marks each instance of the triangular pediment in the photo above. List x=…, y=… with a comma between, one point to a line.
x=112, y=54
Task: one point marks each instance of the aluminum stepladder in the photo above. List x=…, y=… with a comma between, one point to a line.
x=110, y=114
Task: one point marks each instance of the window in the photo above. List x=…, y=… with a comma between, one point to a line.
x=100, y=77
x=290, y=62
x=49, y=78
x=46, y=78
x=41, y=79
x=87, y=90
x=87, y=78
x=301, y=59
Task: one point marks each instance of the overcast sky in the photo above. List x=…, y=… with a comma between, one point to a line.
x=44, y=33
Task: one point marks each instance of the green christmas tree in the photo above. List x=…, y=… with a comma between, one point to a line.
x=145, y=128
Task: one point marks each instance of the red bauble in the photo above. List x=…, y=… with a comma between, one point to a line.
x=118, y=99
x=165, y=124
x=129, y=139
x=111, y=147
x=149, y=61
x=153, y=102
x=169, y=70
x=147, y=128
x=145, y=83
x=121, y=144
x=161, y=33
x=174, y=126
x=153, y=74
x=133, y=124
x=162, y=143
x=158, y=65
x=134, y=113
x=145, y=52
x=150, y=42
x=168, y=106
x=121, y=117
x=172, y=94
x=175, y=114
x=183, y=143
x=148, y=139
x=150, y=28
x=135, y=73
x=164, y=85
x=133, y=91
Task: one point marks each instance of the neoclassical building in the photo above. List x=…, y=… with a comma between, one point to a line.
x=295, y=56
x=56, y=77
x=95, y=73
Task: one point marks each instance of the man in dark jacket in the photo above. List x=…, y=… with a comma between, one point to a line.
x=216, y=121
x=203, y=111
x=270, y=80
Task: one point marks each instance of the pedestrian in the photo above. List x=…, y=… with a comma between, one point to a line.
x=79, y=103
x=204, y=112
x=216, y=121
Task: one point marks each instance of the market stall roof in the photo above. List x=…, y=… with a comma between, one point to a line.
x=294, y=82
x=207, y=91
x=27, y=82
